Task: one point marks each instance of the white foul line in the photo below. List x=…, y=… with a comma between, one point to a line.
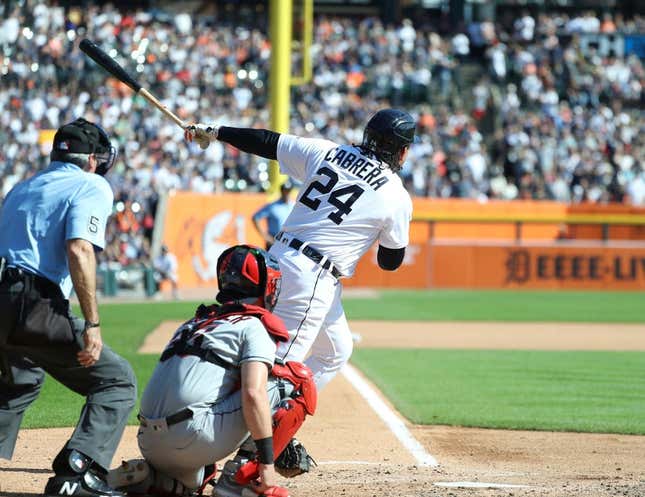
x=393, y=422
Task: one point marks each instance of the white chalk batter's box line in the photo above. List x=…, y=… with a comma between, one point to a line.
x=392, y=420
x=476, y=484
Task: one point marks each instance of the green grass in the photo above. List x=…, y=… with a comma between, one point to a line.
x=579, y=391
x=536, y=390
x=501, y=305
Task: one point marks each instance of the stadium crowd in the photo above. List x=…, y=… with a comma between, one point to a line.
x=512, y=109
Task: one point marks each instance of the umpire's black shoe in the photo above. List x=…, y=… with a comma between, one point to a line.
x=87, y=484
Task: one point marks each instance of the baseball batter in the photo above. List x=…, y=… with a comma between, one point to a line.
x=215, y=384
x=351, y=197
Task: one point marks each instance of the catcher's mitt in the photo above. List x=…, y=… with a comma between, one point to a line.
x=294, y=460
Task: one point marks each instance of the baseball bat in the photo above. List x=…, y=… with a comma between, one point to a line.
x=110, y=65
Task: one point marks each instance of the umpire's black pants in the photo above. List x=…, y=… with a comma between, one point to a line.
x=39, y=334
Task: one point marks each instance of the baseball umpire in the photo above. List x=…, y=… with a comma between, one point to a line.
x=51, y=225
x=217, y=382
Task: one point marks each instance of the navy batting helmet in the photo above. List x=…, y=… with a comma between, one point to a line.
x=245, y=271
x=387, y=133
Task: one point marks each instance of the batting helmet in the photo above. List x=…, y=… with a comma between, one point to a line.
x=244, y=271
x=387, y=133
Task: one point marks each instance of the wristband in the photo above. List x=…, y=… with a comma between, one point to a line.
x=265, y=450
x=89, y=324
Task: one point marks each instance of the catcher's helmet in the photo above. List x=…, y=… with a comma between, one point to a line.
x=244, y=271
x=386, y=133
x=84, y=137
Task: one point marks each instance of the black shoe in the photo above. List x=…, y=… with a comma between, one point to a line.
x=85, y=485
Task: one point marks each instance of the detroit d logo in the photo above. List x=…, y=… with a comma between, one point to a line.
x=518, y=266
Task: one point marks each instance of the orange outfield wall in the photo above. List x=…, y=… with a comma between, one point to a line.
x=443, y=254
x=198, y=227
x=540, y=220
x=531, y=265
x=574, y=266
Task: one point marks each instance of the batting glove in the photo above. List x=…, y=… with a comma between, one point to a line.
x=202, y=134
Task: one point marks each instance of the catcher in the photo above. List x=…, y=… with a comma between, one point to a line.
x=216, y=384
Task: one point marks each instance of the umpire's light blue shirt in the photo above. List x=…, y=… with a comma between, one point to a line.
x=38, y=215
x=275, y=213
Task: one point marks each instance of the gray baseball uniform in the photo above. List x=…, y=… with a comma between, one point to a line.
x=211, y=390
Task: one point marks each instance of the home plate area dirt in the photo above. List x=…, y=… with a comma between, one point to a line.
x=359, y=456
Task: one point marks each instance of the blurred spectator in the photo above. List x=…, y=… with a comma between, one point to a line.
x=125, y=217
x=165, y=269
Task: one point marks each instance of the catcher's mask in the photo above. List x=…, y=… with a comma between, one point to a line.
x=84, y=137
x=387, y=133
x=245, y=271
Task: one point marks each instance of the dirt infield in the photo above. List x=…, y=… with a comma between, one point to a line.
x=359, y=456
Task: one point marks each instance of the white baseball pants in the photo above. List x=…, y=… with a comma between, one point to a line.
x=310, y=306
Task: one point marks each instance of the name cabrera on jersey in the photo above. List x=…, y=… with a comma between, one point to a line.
x=372, y=172
x=187, y=380
x=347, y=202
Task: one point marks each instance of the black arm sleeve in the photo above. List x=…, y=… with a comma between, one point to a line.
x=390, y=259
x=262, y=142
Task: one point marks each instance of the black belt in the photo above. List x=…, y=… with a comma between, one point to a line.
x=46, y=287
x=311, y=253
x=173, y=419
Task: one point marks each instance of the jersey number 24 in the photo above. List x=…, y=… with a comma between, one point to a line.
x=342, y=198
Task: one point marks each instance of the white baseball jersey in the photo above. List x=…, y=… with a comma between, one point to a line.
x=347, y=202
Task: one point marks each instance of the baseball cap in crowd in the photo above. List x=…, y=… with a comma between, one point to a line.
x=84, y=137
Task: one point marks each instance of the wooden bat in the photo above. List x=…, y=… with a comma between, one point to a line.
x=113, y=67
